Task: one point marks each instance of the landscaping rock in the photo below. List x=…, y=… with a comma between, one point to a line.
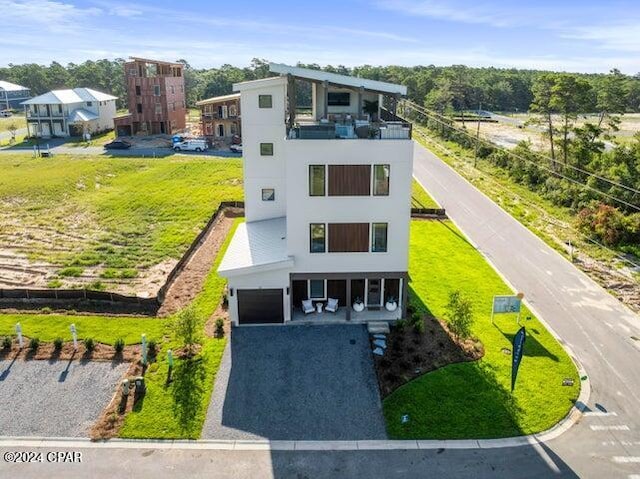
x=378, y=352
x=380, y=336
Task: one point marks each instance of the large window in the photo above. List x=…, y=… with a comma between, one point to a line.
x=339, y=98
x=381, y=180
x=316, y=180
x=316, y=289
x=265, y=101
x=318, y=238
x=268, y=194
x=156, y=90
x=266, y=149
x=379, y=238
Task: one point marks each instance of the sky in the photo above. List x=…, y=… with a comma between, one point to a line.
x=564, y=35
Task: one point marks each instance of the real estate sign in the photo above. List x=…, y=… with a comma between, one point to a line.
x=518, y=351
x=507, y=304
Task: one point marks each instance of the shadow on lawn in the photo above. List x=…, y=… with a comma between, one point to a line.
x=532, y=346
x=187, y=390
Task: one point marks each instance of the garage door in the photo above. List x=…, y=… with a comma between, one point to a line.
x=260, y=306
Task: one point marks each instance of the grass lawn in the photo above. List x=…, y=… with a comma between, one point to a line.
x=178, y=410
x=17, y=119
x=473, y=400
x=420, y=198
x=96, y=140
x=102, y=329
x=110, y=213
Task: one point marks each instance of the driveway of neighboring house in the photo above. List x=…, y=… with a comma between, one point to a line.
x=54, y=398
x=296, y=382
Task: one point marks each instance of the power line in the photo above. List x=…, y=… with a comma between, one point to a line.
x=545, y=215
x=540, y=155
x=552, y=172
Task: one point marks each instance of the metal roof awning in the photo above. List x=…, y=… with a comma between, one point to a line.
x=82, y=115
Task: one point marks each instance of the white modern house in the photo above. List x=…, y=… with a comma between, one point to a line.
x=327, y=201
x=74, y=112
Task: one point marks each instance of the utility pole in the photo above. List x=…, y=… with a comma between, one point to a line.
x=475, y=156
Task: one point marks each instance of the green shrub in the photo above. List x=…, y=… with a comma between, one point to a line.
x=71, y=272
x=459, y=314
x=415, y=318
x=219, y=327
x=152, y=347
x=57, y=344
x=187, y=326
x=400, y=324
x=46, y=310
x=6, y=342
x=33, y=344
x=119, y=345
x=418, y=327
x=96, y=286
x=54, y=284
x=90, y=344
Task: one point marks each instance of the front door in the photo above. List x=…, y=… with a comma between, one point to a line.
x=373, y=293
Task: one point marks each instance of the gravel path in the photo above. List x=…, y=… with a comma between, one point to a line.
x=54, y=398
x=296, y=382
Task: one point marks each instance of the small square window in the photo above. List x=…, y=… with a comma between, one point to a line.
x=268, y=194
x=265, y=101
x=89, y=103
x=266, y=149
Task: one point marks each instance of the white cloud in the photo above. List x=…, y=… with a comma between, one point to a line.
x=622, y=37
x=48, y=14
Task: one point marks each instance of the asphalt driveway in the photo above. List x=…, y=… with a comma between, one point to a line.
x=54, y=398
x=296, y=383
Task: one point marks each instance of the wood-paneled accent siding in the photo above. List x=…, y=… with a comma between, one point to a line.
x=348, y=237
x=349, y=180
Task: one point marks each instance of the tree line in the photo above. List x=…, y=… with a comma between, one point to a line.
x=451, y=88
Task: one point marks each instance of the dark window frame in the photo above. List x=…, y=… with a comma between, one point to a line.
x=268, y=101
x=374, y=188
x=273, y=197
x=262, y=145
x=324, y=180
x=373, y=238
x=338, y=98
x=324, y=237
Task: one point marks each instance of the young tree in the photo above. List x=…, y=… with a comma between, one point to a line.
x=12, y=129
x=459, y=315
x=188, y=328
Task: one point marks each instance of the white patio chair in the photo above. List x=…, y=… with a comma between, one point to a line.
x=307, y=306
x=332, y=305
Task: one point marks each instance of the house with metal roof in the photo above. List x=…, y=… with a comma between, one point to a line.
x=11, y=95
x=327, y=184
x=76, y=112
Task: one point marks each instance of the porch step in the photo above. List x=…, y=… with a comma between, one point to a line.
x=378, y=327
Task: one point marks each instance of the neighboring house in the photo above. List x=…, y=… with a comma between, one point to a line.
x=69, y=113
x=327, y=200
x=11, y=95
x=220, y=117
x=155, y=97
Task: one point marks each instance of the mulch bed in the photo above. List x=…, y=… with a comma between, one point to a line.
x=47, y=351
x=410, y=354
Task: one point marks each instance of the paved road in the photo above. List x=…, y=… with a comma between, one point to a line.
x=597, y=327
x=605, y=444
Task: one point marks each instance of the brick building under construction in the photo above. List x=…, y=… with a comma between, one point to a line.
x=155, y=97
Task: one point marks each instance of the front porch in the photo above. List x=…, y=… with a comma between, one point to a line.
x=362, y=297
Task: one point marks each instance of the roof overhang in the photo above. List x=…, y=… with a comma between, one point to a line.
x=340, y=80
x=217, y=99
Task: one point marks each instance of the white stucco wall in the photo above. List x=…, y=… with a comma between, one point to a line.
x=394, y=209
x=263, y=125
x=106, y=113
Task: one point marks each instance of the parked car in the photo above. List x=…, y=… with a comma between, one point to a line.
x=6, y=113
x=191, y=145
x=118, y=145
x=236, y=148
